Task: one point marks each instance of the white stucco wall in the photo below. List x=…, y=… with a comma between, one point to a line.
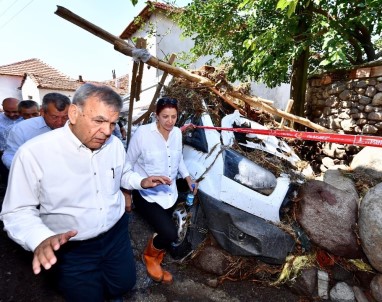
x=68, y=93
x=167, y=40
x=9, y=87
x=30, y=90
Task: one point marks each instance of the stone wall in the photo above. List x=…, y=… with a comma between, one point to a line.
x=347, y=101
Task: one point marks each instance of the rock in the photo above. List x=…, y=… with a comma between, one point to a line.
x=377, y=116
x=369, y=129
x=211, y=259
x=359, y=294
x=371, y=91
x=323, y=284
x=370, y=226
x=334, y=150
x=363, y=278
x=328, y=216
x=213, y=283
x=306, y=283
x=376, y=287
x=337, y=179
x=340, y=274
x=369, y=161
x=342, y=292
x=377, y=99
x=348, y=125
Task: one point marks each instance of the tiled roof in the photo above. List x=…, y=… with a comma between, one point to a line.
x=34, y=66
x=145, y=15
x=120, y=85
x=53, y=83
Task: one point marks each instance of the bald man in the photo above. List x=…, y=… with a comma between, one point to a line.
x=9, y=116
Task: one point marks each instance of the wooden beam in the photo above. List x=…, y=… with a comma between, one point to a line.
x=287, y=109
x=227, y=100
x=141, y=43
x=125, y=48
x=131, y=101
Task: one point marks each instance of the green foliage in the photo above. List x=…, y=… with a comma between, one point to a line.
x=261, y=39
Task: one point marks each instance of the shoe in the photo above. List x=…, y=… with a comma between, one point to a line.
x=167, y=277
x=152, y=258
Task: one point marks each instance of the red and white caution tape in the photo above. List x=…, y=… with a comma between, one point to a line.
x=359, y=140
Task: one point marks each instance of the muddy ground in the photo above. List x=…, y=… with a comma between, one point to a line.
x=18, y=283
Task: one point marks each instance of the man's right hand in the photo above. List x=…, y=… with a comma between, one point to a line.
x=153, y=181
x=44, y=252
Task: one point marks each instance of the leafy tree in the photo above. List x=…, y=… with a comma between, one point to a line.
x=286, y=40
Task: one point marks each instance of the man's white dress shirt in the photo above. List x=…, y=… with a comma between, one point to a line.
x=57, y=184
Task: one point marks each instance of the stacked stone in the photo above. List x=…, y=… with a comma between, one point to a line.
x=351, y=107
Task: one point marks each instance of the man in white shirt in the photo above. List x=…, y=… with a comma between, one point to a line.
x=54, y=114
x=71, y=211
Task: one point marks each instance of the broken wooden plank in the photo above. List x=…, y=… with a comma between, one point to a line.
x=287, y=109
x=127, y=49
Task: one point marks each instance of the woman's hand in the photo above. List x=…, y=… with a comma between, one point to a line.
x=192, y=185
x=153, y=181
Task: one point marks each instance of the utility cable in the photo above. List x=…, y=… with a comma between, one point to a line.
x=14, y=16
x=14, y=2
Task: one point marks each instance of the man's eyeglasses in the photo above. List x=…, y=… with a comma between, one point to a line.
x=167, y=101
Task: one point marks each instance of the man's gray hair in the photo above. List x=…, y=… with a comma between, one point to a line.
x=104, y=93
x=59, y=100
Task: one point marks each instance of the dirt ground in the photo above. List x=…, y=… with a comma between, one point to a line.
x=18, y=283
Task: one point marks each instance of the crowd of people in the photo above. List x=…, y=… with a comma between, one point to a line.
x=70, y=184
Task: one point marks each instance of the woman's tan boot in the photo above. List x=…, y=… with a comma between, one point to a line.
x=150, y=259
x=167, y=277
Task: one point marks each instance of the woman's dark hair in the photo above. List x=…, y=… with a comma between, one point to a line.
x=166, y=102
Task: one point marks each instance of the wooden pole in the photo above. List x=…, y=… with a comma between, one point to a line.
x=287, y=109
x=141, y=44
x=88, y=26
x=227, y=100
x=127, y=49
x=131, y=101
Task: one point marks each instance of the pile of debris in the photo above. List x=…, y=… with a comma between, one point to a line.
x=322, y=217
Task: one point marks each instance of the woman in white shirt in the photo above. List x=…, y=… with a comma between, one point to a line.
x=156, y=149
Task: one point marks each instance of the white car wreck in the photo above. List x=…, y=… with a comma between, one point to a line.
x=239, y=200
